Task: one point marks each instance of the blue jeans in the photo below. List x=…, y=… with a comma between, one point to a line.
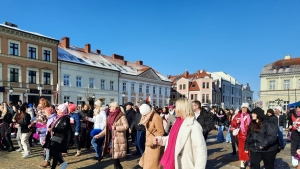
x=97, y=144
x=228, y=137
x=280, y=135
x=220, y=137
x=140, y=140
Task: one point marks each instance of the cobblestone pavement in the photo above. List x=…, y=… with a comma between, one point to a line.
x=219, y=156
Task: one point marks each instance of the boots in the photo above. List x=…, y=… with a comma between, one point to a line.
x=10, y=145
x=78, y=153
x=45, y=164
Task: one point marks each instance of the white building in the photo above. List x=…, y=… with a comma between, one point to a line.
x=231, y=90
x=138, y=81
x=83, y=75
x=247, y=95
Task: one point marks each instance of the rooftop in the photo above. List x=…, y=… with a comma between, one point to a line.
x=285, y=65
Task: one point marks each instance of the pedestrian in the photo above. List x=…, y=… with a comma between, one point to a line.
x=185, y=138
x=140, y=132
x=241, y=121
x=234, y=140
x=75, y=126
x=130, y=114
x=115, y=134
x=99, y=120
x=86, y=126
x=294, y=127
x=205, y=119
x=170, y=123
x=24, y=124
x=280, y=124
x=229, y=115
x=221, y=118
x=154, y=127
x=7, y=123
x=262, y=140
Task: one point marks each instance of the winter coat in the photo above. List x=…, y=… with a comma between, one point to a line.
x=281, y=120
x=266, y=138
x=76, y=123
x=7, y=119
x=171, y=121
x=119, y=145
x=130, y=115
x=24, y=123
x=222, y=121
x=86, y=124
x=190, y=148
x=153, y=153
x=206, y=121
x=136, y=123
x=274, y=119
x=61, y=129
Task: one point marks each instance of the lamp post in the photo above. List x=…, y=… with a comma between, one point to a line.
x=11, y=90
x=40, y=88
x=278, y=101
x=123, y=96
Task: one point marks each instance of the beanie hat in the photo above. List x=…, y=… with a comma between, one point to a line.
x=63, y=108
x=98, y=103
x=71, y=107
x=260, y=112
x=49, y=110
x=278, y=108
x=145, y=109
x=246, y=105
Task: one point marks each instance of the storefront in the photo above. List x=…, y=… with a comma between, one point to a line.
x=34, y=95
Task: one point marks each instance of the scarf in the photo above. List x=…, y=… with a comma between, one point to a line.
x=220, y=115
x=54, y=122
x=145, y=118
x=168, y=159
x=242, y=121
x=112, y=117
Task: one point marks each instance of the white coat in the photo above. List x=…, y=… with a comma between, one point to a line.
x=190, y=148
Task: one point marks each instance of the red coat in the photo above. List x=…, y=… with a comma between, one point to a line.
x=241, y=137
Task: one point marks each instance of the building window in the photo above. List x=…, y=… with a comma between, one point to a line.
x=32, y=53
x=141, y=88
x=183, y=86
x=124, y=87
x=180, y=87
x=207, y=98
x=103, y=102
x=203, y=97
x=66, y=99
x=195, y=97
x=79, y=100
x=46, y=56
x=183, y=96
x=153, y=90
x=203, y=85
x=132, y=87
x=223, y=89
x=46, y=78
x=66, y=80
x=32, y=77
x=207, y=85
x=272, y=85
x=14, y=49
x=14, y=75
x=111, y=84
x=78, y=81
x=166, y=91
x=232, y=90
x=147, y=89
x=192, y=97
x=91, y=83
x=160, y=90
x=102, y=84
x=112, y=100
x=286, y=84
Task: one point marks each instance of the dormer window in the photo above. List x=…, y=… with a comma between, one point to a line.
x=193, y=85
x=287, y=66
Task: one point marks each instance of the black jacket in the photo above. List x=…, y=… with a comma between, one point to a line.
x=274, y=119
x=7, y=119
x=282, y=120
x=222, y=121
x=206, y=121
x=130, y=115
x=24, y=123
x=266, y=138
x=83, y=115
x=135, y=125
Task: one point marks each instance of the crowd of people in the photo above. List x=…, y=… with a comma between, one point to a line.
x=172, y=137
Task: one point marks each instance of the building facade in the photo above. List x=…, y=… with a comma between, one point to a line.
x=138, y=81
x=84, y=75
x=247, y=95
x=196, y=86
x=280, y=83
x=28, y=65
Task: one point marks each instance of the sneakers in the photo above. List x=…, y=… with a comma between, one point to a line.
x=26, y=155
x=19, y=150
x=64, y=165
x=45, y=164
x=78, y=153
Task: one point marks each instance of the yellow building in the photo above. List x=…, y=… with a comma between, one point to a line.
x=280, y=83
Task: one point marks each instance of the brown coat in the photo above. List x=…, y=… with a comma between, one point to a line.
x=119, y=146
x=153, y=153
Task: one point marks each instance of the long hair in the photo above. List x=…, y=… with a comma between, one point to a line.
x=4, y=109
x=256, y=126
x=44, y=103
x=185, y=106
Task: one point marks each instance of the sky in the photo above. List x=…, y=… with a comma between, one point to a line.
x=234, y=36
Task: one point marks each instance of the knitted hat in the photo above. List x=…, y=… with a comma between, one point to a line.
x=278, y=108
x=246, y=105
x=63, y=108
x=71, y=107
x=145, y=109
x=260, y=112
x=98, y=103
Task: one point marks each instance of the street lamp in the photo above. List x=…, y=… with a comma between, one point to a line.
x=123, y=96
x=11, y=90
x=40, y=88
x=278, y=101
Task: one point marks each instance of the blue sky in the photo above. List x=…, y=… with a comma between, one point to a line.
x=234, y=36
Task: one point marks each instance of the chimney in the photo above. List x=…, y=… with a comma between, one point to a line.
x=116, y=56
x=98, y=51
x=185, y=74
x=87, y=48
x=125, y=62
x=286, y=57
x=65, y=42
x=139, y=62
x=198, y=72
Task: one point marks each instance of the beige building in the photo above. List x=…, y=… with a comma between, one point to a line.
x=280, y=83
x=28, y=65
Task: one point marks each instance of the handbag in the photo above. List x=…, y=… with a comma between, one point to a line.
x=56, y=139
x=235, y=132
